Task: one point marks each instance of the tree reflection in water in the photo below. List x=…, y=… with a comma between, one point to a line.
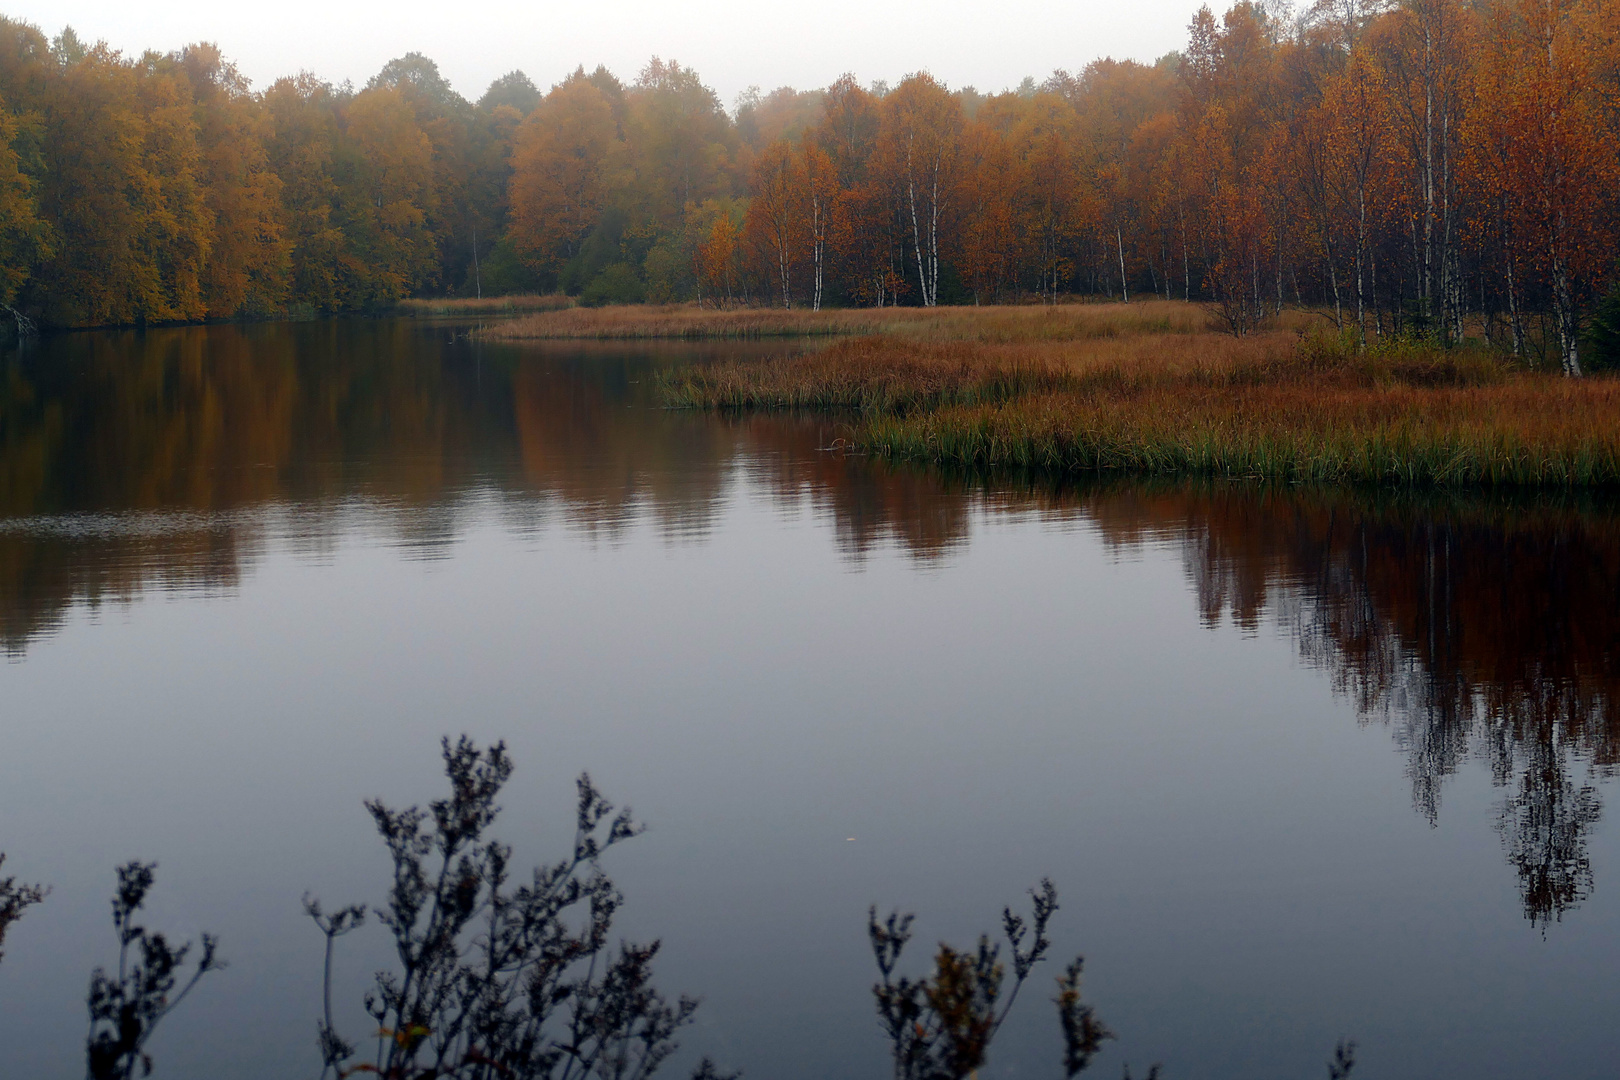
x=1476, y=628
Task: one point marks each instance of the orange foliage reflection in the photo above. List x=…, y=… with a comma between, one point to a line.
x=1478, y=631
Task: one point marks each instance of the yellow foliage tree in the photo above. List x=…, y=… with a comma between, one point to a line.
x=560, y=160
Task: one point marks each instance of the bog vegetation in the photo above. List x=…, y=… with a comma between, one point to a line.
x=1420, y=165
x=1150, y=394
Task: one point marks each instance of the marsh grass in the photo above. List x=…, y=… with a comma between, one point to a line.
x=869, y=375
x=1282, y=406
x=449, y=307
x=1011, y=324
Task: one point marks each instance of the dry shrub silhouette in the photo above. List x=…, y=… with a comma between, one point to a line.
x=126, y=1009
x=496, y=980
x=15, y=900
x=940, y=1027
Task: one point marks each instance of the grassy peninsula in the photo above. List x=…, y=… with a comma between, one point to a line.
x=1004, y=325
x=1157, y=388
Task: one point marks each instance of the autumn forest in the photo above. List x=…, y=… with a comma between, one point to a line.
x=1439, y=165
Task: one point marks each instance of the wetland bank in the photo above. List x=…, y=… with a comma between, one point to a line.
x=1155, y=387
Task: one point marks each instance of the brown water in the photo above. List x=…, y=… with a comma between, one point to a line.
x=1303, y=764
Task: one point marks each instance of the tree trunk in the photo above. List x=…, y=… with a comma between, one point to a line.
x=1119, y=238
x=1565, y=316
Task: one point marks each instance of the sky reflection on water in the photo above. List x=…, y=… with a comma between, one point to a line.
x=248, y=576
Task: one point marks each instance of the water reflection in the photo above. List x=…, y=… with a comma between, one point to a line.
x=48, y=564
x=158, y=459
x=1476, y=629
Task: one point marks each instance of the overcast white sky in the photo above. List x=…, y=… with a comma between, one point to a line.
x=990, y=44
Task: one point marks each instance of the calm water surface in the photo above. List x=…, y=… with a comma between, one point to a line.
x=1302, y=765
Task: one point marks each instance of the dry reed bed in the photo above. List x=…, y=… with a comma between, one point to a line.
x=493, y=305
x=1270, y=406
x=1026, y=323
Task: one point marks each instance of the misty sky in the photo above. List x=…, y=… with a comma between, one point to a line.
x=990, y=45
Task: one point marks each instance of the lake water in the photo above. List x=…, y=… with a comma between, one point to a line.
x=1303, y=765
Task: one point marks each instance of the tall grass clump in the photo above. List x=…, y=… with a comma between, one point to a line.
x=1392, y=361
x=867, y=375
x=1403, y=439
x=1278, y=406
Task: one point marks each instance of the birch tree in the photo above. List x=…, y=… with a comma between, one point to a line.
x=918, y=146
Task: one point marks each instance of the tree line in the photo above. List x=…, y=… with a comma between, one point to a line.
x=1440, y=166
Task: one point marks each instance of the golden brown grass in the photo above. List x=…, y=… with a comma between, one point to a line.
x=1025, y=323
x=491, y=305
x=1278, y=405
